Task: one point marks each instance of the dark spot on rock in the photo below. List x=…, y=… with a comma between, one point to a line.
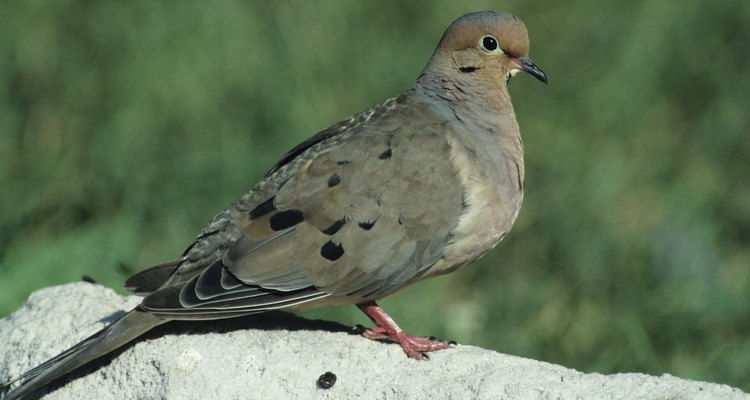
x=386, y=154
x=334, y=180
x=332, y=251
x=285, y=219
x=400, y=221
x=331, y=230
x=367, y=225
x=467, y=70
x=343, y=162
x=401, y=99
x=262, y=209
x=327, y=380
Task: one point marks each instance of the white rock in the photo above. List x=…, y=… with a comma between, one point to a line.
x=280, y=356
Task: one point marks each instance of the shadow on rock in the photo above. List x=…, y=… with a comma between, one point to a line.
x=268, y=321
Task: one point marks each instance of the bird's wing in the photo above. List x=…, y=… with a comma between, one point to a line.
x=361, y=215
x=222, y=231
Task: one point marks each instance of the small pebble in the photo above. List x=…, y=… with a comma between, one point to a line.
x=327, y=380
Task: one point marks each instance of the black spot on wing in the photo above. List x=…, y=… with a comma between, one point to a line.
x=334, y=180
x=367, y=225
x=332, y=251
x=262, y=209
x=331, y=230
x=386, y=154
x=285, y=219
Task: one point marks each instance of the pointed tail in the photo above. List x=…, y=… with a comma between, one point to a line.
x=133, y=324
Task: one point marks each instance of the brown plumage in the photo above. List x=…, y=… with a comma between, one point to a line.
x=417, y=186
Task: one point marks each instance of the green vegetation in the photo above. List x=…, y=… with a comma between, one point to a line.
x=125, y=126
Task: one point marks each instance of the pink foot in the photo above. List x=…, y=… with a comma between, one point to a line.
x=414, y=346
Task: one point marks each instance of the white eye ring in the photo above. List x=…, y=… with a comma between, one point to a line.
x=489, y=44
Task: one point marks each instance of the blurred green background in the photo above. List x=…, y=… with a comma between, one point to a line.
x=125, y=126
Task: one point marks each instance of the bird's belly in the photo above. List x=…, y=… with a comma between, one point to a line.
x=483, y=227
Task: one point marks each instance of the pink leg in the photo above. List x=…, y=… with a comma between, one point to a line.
x=414, y=346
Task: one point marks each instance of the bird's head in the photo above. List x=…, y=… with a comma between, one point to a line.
x=484, y=47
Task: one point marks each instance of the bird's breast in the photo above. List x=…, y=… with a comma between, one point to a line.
x=491, y=170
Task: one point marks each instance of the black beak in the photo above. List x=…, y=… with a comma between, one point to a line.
x=528, y=66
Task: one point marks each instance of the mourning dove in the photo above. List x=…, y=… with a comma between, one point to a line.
x=414, y=187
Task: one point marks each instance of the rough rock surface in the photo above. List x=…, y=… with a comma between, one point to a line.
x=281, y=356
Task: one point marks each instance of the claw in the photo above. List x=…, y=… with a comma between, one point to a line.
x=415, y=346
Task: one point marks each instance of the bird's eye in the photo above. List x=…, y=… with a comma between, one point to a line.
x=489, y=43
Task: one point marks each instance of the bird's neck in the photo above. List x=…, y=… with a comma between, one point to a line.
x=488, y=106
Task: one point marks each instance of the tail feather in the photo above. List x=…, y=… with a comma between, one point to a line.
x=133, y=324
